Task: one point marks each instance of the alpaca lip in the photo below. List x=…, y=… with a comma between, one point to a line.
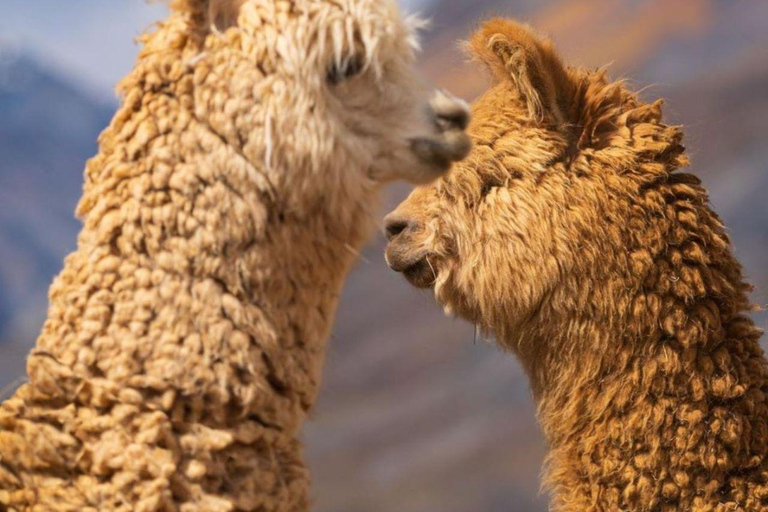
x=398, y=257
x=433, y=152
x=420, y=274
x=417, y=270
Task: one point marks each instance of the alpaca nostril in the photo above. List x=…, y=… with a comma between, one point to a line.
x=393, y=226
x=454, y=119
x=451, y=113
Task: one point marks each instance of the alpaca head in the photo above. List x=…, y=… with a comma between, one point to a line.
x=544, y=215
x=322, y=95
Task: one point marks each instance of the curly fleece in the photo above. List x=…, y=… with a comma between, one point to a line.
x=185, y=337
x=572, y=235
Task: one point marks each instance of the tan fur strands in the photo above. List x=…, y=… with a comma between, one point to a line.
x=572, y=235
x=185, y=337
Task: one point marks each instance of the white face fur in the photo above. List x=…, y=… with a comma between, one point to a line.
x=337, y=93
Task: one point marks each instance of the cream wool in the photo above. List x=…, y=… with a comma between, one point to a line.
x=572, y=235
x=185, y=336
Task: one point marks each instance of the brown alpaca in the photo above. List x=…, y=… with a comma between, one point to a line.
x=185, y=337
x=572, y=236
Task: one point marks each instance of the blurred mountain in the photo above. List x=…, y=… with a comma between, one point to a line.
x=48, y=128
x=416, y=414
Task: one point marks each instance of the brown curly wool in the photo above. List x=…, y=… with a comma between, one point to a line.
x=185, y=336
x=572, y=236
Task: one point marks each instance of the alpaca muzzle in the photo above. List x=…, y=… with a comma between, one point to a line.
x=404, y=256
x=450, y=117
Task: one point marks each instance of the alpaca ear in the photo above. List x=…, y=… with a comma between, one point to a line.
x=515, y=54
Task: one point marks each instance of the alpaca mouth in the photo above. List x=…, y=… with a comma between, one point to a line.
x=419, y=272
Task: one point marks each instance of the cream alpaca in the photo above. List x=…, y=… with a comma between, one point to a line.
x=185, y=337
x=571, y=234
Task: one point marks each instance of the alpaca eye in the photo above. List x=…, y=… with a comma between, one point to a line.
x=490, y=185
x=487, y=188
x=348, y=68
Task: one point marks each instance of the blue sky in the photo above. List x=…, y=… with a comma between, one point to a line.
x=89, y=41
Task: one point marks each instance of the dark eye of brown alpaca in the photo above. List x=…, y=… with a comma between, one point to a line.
x=348, y=68
x=490, y=184
x=487, y=188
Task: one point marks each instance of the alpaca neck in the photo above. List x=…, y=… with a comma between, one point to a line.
x=205, y=286
x=643, y=420
x=295, y=285
x=185, y=335
x=216, y=269
x=206, y=329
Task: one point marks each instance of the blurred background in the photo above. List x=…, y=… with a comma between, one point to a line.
x=415, y=415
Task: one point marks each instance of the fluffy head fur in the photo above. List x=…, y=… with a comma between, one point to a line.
x=572, y=236
x=185, y=337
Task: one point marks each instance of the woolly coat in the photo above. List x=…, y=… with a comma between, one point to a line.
x=572, y=235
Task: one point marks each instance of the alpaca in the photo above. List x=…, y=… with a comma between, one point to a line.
x=231, y=193
x=572, y=236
